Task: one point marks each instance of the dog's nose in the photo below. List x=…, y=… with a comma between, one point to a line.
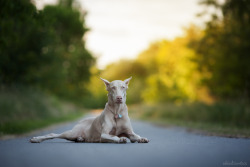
x=119, y=98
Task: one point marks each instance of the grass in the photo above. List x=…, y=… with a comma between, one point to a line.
x=222, y=118
x=24, y=109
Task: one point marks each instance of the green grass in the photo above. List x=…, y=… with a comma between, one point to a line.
x=24, y=109
x=222, y=118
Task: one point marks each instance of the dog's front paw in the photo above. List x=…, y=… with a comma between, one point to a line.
x=143, y=140
x=122, y=140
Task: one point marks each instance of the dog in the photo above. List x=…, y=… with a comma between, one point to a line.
x=111, y=126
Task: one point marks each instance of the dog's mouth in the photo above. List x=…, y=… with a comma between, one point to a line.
x=119, y=102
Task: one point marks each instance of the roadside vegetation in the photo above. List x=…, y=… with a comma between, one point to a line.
x=25, y=109
x=223, y=119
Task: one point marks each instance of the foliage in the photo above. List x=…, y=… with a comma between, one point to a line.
x=24, y=109
x=22, y=36
x=44, y=48
x=224, y=49
x=172, y=75
x=224, y=113
x=222, y=118
x=97, y=95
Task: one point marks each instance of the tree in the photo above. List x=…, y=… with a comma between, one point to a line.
x=224, y=49
x=44, y=48
x=73, y=61
x=22, y=37
x=172, y=74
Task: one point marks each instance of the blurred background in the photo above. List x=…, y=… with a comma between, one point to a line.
x=189, y=61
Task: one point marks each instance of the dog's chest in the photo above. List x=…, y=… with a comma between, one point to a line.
x=113, y=131
x=116, y=127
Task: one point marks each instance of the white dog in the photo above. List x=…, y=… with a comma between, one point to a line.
x=112, y=125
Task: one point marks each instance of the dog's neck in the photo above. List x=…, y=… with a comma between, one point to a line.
x=115, y=108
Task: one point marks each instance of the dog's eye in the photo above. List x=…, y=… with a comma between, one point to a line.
x=123, y=87
x=113, y=87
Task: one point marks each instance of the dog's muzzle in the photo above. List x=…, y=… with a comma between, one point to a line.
x=119, y=99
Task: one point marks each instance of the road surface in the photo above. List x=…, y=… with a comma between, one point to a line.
x=168, y=147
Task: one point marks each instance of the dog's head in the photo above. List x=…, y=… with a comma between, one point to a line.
x=117, y=90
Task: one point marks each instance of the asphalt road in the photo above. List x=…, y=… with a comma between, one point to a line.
x=168, y=147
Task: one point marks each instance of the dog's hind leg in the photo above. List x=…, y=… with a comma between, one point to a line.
x=39, y=139
x=72, y=136
x=68, y=135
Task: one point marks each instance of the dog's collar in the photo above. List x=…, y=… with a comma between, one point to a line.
x=116, y=116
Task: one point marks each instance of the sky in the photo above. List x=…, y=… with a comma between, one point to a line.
x=121, y=29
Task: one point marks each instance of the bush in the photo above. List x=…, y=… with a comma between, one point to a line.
x=24, y=109
x=229, y=114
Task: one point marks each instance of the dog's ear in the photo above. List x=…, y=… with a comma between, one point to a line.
x=107, y=83
x=127, y=80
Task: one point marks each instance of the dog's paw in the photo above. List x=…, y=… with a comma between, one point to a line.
x=35, y=140
x=133, y=141
x=123, y=140
x=80, y=139
x=143, y=140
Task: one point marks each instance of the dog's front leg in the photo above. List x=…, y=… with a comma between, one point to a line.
x=134, y=137
x=106, y=138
